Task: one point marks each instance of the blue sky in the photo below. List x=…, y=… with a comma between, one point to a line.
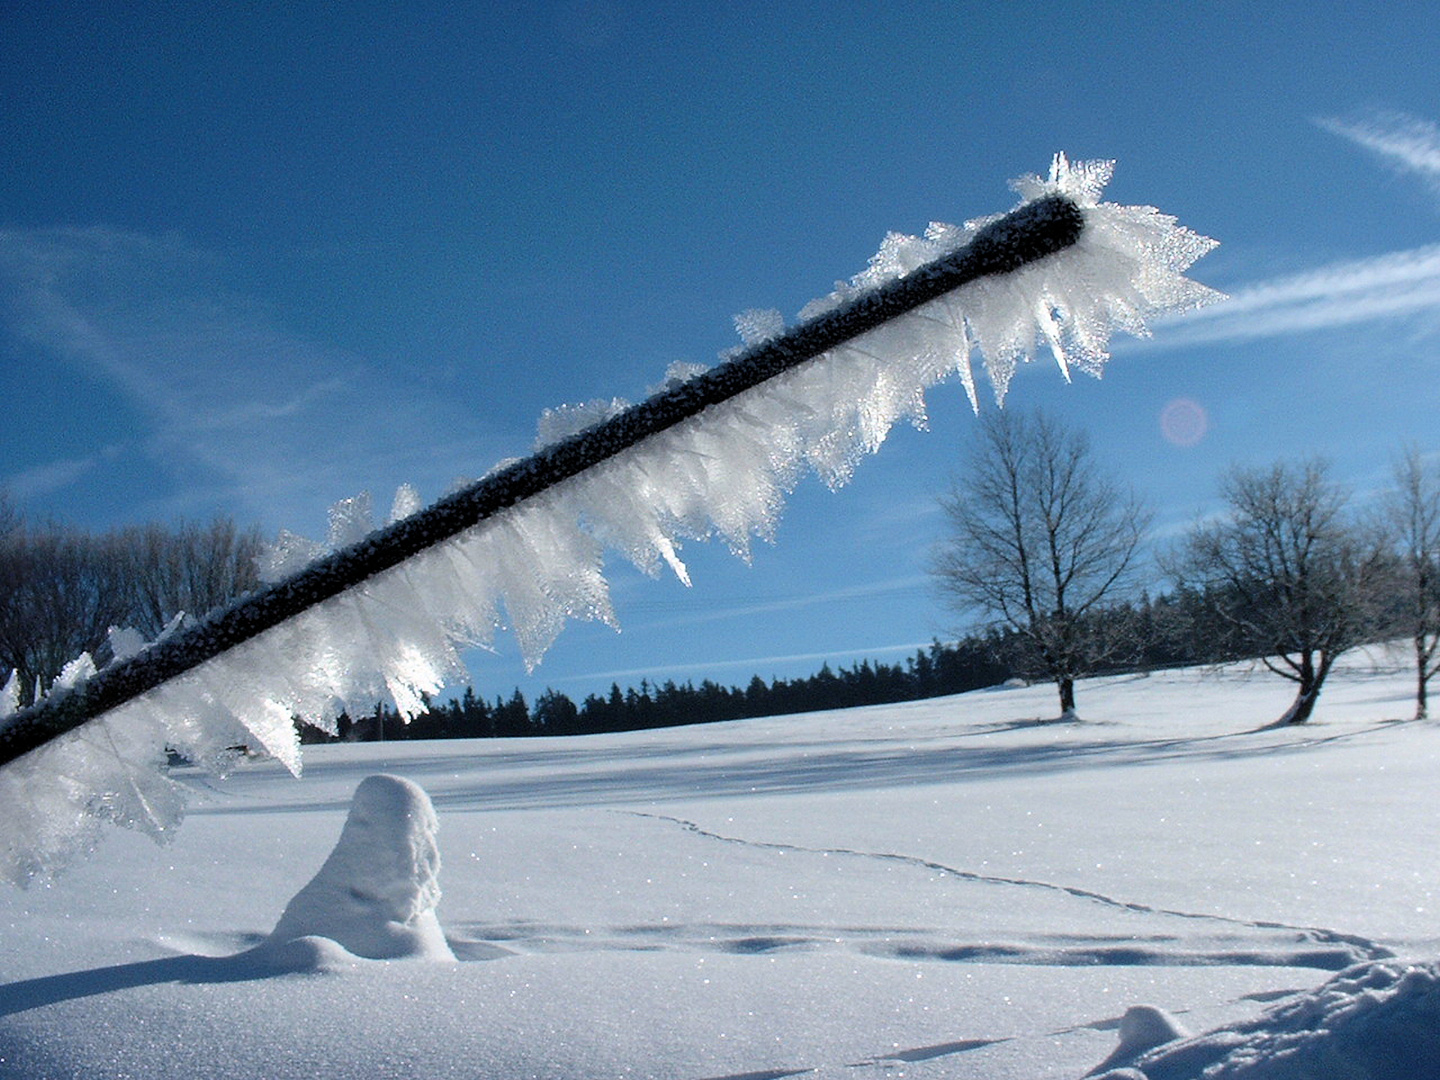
x=258, y=258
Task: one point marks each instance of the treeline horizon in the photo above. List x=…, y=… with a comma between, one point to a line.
x=61, y=589
x=1173, y=629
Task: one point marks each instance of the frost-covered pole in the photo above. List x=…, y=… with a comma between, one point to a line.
x=712, y=454
x=1042, y=227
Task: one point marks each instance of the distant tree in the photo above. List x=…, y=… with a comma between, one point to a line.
x=640, y=706
x=60, y=592
x=512, y=717
x=1183, y=627
x=192, y=568
x=1291, y=575
x=473, y=718
x=757, y=696
x=1040, y=540
x=63, y=588
x=1411, y=513
x=554, y=714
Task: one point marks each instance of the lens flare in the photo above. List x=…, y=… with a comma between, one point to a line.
x=1184, y=422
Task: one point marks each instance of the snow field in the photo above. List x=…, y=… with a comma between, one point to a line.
x=953, y=888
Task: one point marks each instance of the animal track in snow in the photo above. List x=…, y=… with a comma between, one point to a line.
x=1278, y=944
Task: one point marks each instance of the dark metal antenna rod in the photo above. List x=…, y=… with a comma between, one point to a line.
x=1035, y=230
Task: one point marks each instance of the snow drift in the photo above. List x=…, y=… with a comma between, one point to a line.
x=1377, y=1021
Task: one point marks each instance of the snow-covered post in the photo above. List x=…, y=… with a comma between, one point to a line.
x=376, y=893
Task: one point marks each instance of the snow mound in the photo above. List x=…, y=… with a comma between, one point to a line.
x=376, y=894
x=309, y=955
x=1375, y=1021
x=1142, y=1028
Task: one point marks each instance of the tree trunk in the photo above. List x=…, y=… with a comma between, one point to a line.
x=1303, y=705
x=1309, y=693
x=1422, y=681
x=1067, y=697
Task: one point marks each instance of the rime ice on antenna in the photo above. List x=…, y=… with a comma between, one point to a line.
x=712, y=454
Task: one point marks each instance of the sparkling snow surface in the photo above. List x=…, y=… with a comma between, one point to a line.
x=953, y=888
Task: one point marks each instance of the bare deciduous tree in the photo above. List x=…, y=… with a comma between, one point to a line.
x=193, y=568
x=60, y=592
x=1412, y=515
x=62, y=589
x=1292, y=574
x=1040, y=540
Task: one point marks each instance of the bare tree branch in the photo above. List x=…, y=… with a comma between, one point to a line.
x=1289, y=571
x=1040, y=541
x=1411, y=515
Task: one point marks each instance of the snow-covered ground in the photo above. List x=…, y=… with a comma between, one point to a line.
x=951, y=888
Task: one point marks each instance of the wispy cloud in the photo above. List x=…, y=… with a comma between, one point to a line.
x=41, y=480
x=244, y=414
x=747, y=665
x=1406, y=142
x=771, y=606
x=1398, y=285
